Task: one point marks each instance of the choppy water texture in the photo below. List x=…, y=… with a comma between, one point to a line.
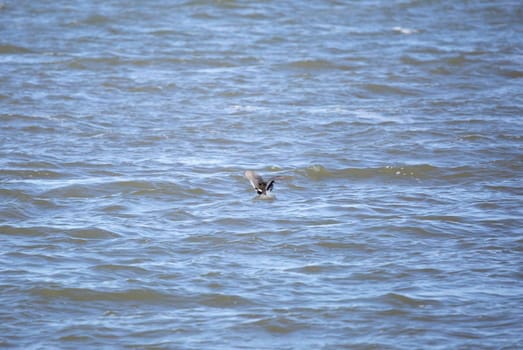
x=396, y=128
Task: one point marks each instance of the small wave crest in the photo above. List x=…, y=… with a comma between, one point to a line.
x=86, y=188
x=389, y=89
x=13, y=49
x=401, y=301
x=404, y=30
x=319, y=172
x=91, y=295
x=415, y=172
x=317, y=64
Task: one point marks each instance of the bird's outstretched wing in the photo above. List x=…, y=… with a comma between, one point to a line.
x=255, y=180
x=270, y=185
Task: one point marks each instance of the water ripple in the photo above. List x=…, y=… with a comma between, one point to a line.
x=393, y=131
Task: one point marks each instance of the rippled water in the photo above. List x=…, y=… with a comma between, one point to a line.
x=395, y=130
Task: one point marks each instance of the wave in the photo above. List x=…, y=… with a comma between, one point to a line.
x=319, y=172
x=33, y=231
x=404, y=30
x=91, y=233
x=219, y=300
x=317, y=64
x=86, y=188
x=386, y=89
x=402, y=301
x=9, y=174
x=277, y=325
x=13, y=49
x=85, y=233
x=399, y=172
x=91, y=295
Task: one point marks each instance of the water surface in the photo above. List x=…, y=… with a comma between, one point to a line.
x=396, y=129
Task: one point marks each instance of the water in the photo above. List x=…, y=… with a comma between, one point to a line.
x=396, y=129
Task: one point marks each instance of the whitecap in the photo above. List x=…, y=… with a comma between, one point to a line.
x=406, y=31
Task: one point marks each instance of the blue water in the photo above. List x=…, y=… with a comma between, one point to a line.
x=394, y=131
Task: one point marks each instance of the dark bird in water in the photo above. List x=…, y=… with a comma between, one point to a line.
x=258, y=184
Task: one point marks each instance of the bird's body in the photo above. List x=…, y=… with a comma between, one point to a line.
x=258, y=183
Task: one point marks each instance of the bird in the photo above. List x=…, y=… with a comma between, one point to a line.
x=258, y=183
